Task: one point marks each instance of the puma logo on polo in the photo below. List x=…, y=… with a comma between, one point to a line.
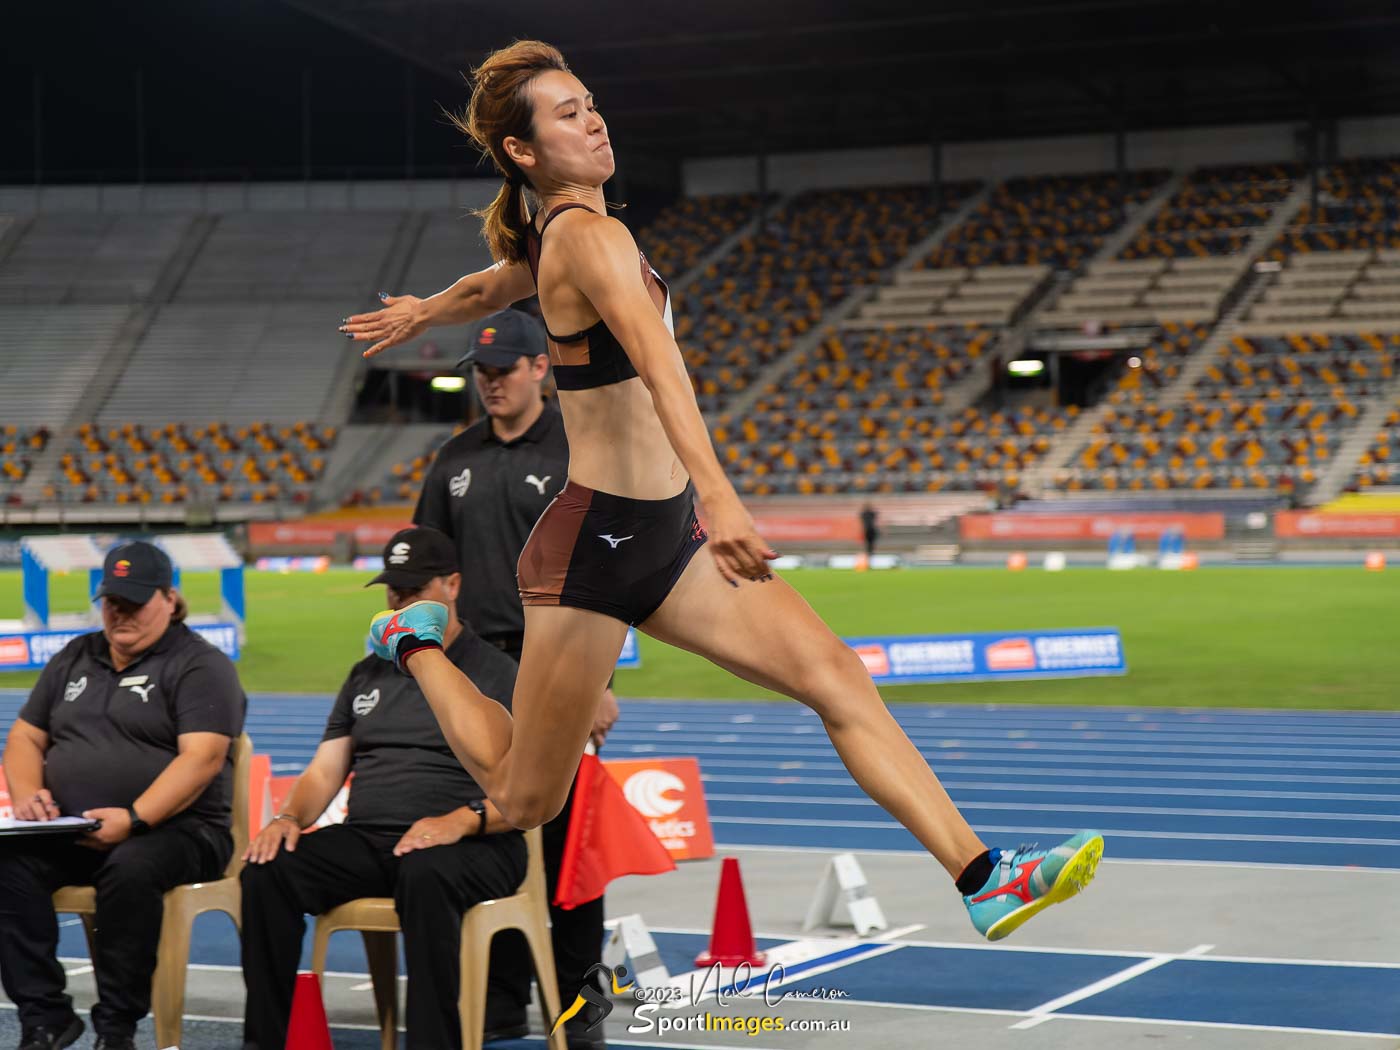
x=539, y=483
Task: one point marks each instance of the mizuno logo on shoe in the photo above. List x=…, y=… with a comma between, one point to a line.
x=1020, y=886
x=614, y=542
x=393, y=627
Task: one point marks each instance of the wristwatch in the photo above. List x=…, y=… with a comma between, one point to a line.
x=479, y=808
x=138, y=826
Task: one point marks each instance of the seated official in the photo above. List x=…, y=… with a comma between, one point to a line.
x=131, y=726
x=419, y=829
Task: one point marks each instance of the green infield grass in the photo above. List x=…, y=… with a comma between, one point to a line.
x=1258, y=637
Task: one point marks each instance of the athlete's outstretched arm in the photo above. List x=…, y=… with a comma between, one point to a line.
x=469, y=299
x=602, y=257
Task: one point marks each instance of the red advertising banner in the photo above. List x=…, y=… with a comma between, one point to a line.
x=6, y=810
x=667, y=792
x=782, y=527
x=369, y=533
x=1015, y=528
x=1293, y=524
x=803, y=528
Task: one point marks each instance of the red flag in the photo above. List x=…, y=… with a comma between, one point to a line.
x=607, y=838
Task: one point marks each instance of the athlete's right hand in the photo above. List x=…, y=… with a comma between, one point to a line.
x=270, y=839
x=400, y=320
x=740, y=553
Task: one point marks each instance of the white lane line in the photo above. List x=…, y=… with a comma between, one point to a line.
x=1235, y=1027
x=1244, y=865
x=78, y=970
x=779, y=799
x=226, y=968
x=753, y=744
x=765, y=746
x=1035, y=949
x=1042, y=1013
x=1018, y=770
x=1228, y=1026
x=873, y=1005
x=1023, y=829
x=902, y=931
x=980, y=946
x=854, y=791
x=1042, y=737
x=794, y=960
x=1043, y=755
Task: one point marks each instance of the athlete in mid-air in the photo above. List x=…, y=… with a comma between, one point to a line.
x=617, y=545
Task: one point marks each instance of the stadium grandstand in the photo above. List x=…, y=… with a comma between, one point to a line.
x=983, y=292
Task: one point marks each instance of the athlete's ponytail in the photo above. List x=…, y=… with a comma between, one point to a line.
x=501, y=106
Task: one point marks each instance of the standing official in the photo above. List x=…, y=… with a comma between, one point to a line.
x=486, y=489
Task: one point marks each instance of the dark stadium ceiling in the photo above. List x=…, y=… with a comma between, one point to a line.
x=326, y=89
x=714, y=77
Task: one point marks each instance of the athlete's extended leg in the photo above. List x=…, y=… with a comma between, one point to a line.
x=766, y=633
x=524, y=764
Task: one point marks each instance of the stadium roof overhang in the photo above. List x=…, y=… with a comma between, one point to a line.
x=727, y=77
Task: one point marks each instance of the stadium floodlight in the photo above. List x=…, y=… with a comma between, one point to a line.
x=1026, y=368
x=449, y=384
x=1134, y=362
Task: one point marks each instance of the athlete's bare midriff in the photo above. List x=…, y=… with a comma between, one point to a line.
x=617, y=443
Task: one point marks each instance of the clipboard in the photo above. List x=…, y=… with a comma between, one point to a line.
x=10, y=826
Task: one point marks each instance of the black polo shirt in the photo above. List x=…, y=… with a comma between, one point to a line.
x=487, y=495
x=403, y=767
x=111, y=733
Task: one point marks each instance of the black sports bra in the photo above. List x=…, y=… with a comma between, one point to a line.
x=593, y=357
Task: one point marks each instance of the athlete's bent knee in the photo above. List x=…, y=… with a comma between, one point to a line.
x=833, y=680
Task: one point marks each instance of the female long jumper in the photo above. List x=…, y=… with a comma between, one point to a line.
x=617, y=546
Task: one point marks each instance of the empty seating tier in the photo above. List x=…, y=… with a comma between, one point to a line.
x=176, y=463
x=1053, y=220
x=750, y=307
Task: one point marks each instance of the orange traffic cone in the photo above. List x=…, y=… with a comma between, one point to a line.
x=731, y=938
x=308, y=1029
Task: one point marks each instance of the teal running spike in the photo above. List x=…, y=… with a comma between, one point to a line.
x=1027, y=881
x=397, y=635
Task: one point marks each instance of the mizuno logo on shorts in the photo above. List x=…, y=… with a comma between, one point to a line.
x=614, y=542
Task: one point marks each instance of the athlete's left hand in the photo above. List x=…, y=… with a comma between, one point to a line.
x=604, y=718
x=432, y=831
x=739, y=551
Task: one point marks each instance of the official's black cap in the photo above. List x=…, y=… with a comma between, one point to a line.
x=135, y=571
x=498, y=341
x=414, y=556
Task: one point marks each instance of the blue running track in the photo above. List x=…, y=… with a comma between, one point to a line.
x=1301, y=788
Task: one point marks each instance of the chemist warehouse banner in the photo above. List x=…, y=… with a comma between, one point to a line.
x=1085, y=652
x=31, y=650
